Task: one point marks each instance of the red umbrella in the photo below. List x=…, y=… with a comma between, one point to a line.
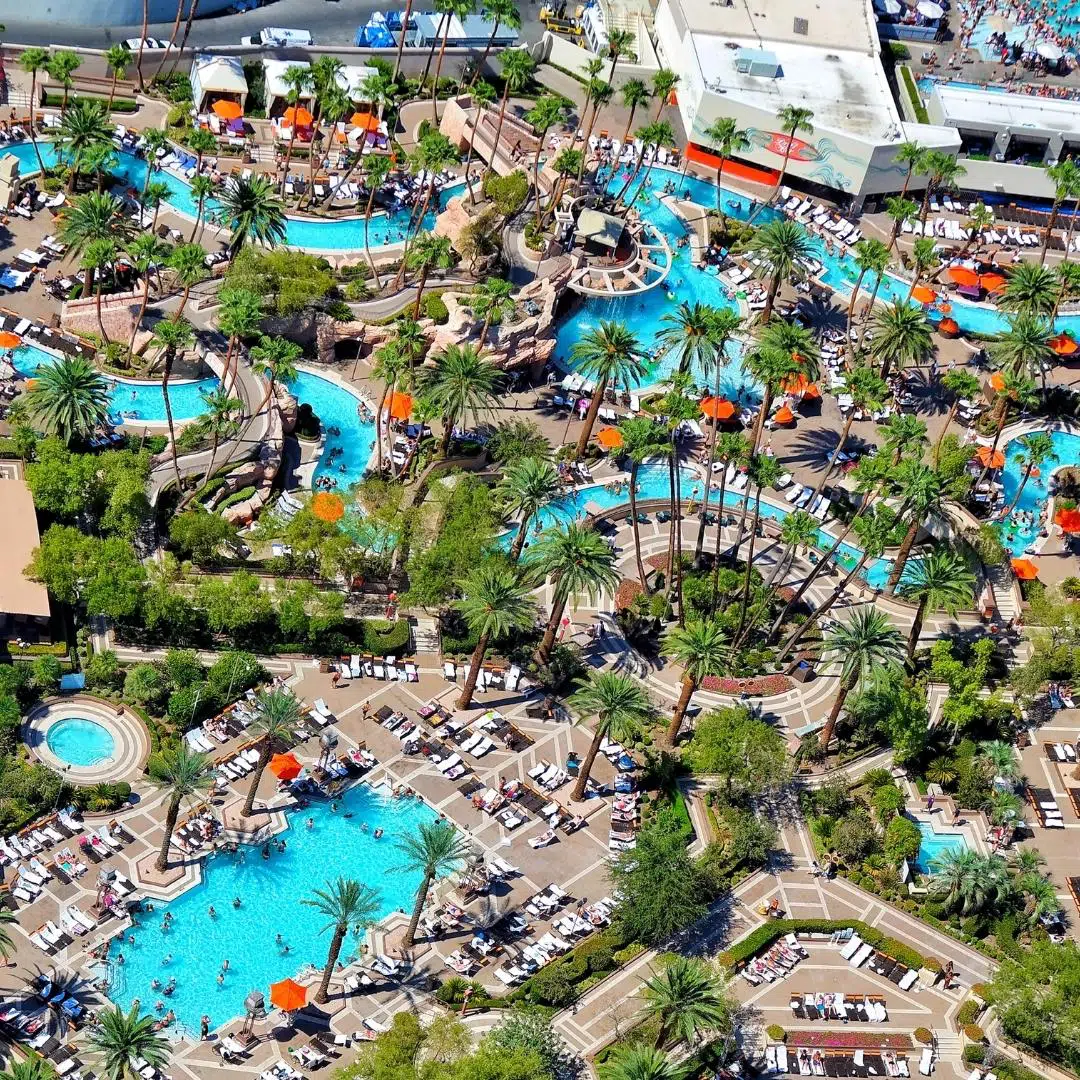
x=717, y=408
x=989, y=457
x=1069, y=520
x=288, y=995
x=1025, y=569
x=285, y=766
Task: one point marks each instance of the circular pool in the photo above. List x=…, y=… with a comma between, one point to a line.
x=79, y=741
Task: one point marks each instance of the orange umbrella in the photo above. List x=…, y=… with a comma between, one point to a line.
x=795, y=384
x=990, y=457
x=288, y=995
x=923, y=294
x=948, y=328
x=997, y=381
x=811, y=393
x=327, y=506
x=1063, y=345
x=298, y=115
x=992, y=282
x=364, y=120
x=1025, y=569
x=963, y=276
x=717, y=408
x=400, y=406
x=784, y=416
x=227, y=110
x=609, y=438
x=1069, y=520
x=285, y=766
x=8, y=340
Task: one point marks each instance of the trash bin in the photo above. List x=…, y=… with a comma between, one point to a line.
x=803, y=671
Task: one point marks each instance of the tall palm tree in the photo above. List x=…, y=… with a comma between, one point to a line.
x=784, y=249
x=146, y=252
x=218, y=421
x=297, y=82
x=460, y=9
x=634, y=1062
x=609, y=354
x=797, y=530
x=548, y=111
x=117, y=60
x=70, y=398
x=491, y=300
x=171, y=337
x=7, y=946
x=277, y=359
x=252, y=212
x=82, y=127
x=793, y=120
x=942, y=581
x=202, y=187
x=388, y=366
x=980, y=218
x=183, y=774
x=428, y=252
x=1065, y=176
x=686, y=998
x=33, y=61
x=495, y=602
x=634, y=94
x=922, y=494
x=731, y=449
x=1037, y=450
x=651, y=137
x=125, y=1042
x=911, y=155
x=154, y=194
x=1024, y=349
x=959, y=384
x=499, y=13
x=278, y=717
x=1030, y=289
x=239, y=315
x=903, y=435
x=902, y=337
x=154, y=139
x=1018, y=393
x=901, y=211
x=1068, y=285
x=967, y=882
x=99, y=255
x=642, y=439
x=326, y=72
x=434, y=153
x=482, y=94
x=998, y=758
x=526, y=487
x=924, y=258
x=406, y=19
x=942, y=172
x=664, y=82
x=188, y=263
x=771, y=365
x=868, y=647
x=620, y=707
x=871, y=257
x=91, y=217
x=345, y=903
x=578, y=560
x=701, y=647
x=688, y=336
x=62, y=66
x=462, y=383
x=203, y=142
x=376, y=170
x=100, y=160
x=566, y=164
x=516, y=67
x=435, y=850
x=597, y=93
x=725, y=138
x=763, y=471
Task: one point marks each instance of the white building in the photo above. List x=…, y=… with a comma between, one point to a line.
x=740, y=62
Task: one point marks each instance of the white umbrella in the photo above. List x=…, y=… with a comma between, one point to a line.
x=1049, y=51
x=929, y=10
x=890, y=7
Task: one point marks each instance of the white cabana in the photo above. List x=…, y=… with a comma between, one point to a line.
x=351, y=79
x=277, y=89
x=217, y=78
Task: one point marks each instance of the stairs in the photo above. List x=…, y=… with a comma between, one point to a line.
x=1004, y=592
x=950, y=1047
x=426, y=637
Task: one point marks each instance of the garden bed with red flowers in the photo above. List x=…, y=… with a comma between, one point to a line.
x=848, y=1040
x=629, y=590
x=757, y=686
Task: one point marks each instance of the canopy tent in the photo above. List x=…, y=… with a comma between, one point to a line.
x=400, y=405
x=1049, y=51
x=992, y=282
x=217, y=78
x=227, y=110
x=929, y=10
x=285, y=766
x=989, y=457
x=605, y=230
x=277, y=90
x=609, y=438
x=1025, y=569
x=784, y=416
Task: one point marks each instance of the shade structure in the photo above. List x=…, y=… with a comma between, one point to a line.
x=811, y=393
x=890, y=7
x=962, y=275
x=1063, y=345
x=8, y=340
x=949, y=328
x=989, y=457
x=929, y=10
x=400, y=405
x=717, y=408
x=364, y=120
x=227, y=110
x=609, y=438
x=1049, y=51
x=784, y=416
x=1025, y=569
x=923, y=294
x=997, y=381
x=795, y=384
x=298, y=115
x=992, y=282
x=288, y=995
x=285, y=766
x=1069, y=520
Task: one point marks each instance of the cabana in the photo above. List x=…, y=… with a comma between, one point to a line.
x=599, y=233
x=277, y=90
x=217, y=78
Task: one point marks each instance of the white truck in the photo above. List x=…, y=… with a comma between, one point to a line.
x=280, y=38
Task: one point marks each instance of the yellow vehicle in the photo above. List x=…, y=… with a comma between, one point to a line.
x=557, y=21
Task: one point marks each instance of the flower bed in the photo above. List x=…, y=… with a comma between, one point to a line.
x=327, y=506
x=848, y=1040
x=629, y=590
x=759, y=686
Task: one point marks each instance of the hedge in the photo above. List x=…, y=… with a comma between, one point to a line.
x=57, y=649
x=765, y=935
x=1004, y=1068
x=120, y=104
x=584, y=965
x=383, y=638
x=968, y=1013
x=236, y=497
x=913, y=92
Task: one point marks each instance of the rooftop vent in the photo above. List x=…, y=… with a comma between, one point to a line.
x=757, y=62
x=802, y=26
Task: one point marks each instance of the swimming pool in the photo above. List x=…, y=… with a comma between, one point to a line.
x=271, y=891
x=934, y=845
x=79, y=741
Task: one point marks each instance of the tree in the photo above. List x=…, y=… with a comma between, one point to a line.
x=117, y=59
x=428, y=252
x=979, y=220
x=634, y=94
x=33, y=61
x=1068, y=282
x=182, y=773
x=462, y=383
x=1030, y=289
x=902, y=837
x=62, y=66
x=798, y=530
x=1065, y=176
x=902, y=211
x=376, y=169
x=1024, y=349
x=498, y=13
x=610, y=355
x=921, y=487
x=188, y=263
x=664, y=82
x=639, y=1063
x=871, y=256
x=964, y=881
x=198, y=534
x=642, y=439
x=70, y=398
x=495, y=602
x=867, y=647
x=35, y=1068
x=548, y=111
x=701, y=648
x=154, y=194
x=941, y=581
x=516, y=67
x=277, y=720
x=296, y=79
x=924, y=257
x=253, y=212
x=121, y=1039
x=83, y=127
x=731, y=449
x=578, y=560
x=491, y=300
x=91, y=217
x=650, y=137
x=277, y=358
x=482, y=94
x=1037, y=448
x=435, y=850
x=527, y=486
x=529, y=1029
x=239, y=315
x=783, y=248
x=913, y=156
x=793, y=120
x=745, y=752
x=202, y=187
x=959, y=384
x=763, y=471
x=171, y=337
x=687, y=335
x=686, y=998
x=345, y=903
x=902, y=337
x=619, y=707
x=725, y=138
x=218, y=421
x=942, y=172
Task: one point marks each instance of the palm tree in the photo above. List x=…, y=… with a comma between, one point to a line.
x=548, y=111
x=634, y=94
x=793, y=120
x=171, y=337
x=868, y=647
x=664, y=82
x=1037, y=449
x=763, y=471
x=1017, y=392
x=526, y=487
x=516, y=67
x=635, y=1062
x=33, y=61
x=578, y=560
x=687, y=334
x=731, y=449
x=345, y=903
x=460, y=9
x=435, y=850
x=218, y=420
x=871, y=256
x=566, y=164
x=621, y=707
x=942, y=581
x=297, y=82
x=913, y=156
x=725, y=138
x=924, y=257
x=979, y=220
x=183, y=774
x=279, y=717
x=376, y=169
x=84, y=126
x=154, y=194
x=597, y=93
x=277, y=358
x=942, y=172
x=253, y=212
x=62, y=66
x=188, y=263
x=126, y=1042
x=462, y=383
x=495, y=602
x=1024, y=349
x=145, y=251
x=482, y=94
x=653, y=137
x=922, y=492
x=686, y=998
x=117, y=60
x=901, y=211
x=434, y=153
x=100, y=160
x=1068, y=285
x=903, y=435
x=1066, y=178
x=35, y=1068
x=154, y=139
x=388, y=365
x=797, y=530
x=405, y=20
x=1041, y=896
x=1030, y=289
x=608, y=354
x=7, y=945
x=202, y=187
x=702, y=648
x=783, y=247
x=99, y=254
x=642, y=439
x=70, y=398
x=239, y=315
x=959, y=384
x=498, y=13
x=771, y=365
x=491, y=300
x=91, y=217
x=902, y=337
x=202, y=141
x=429, y=252
x=967, y=882
x=325, y=75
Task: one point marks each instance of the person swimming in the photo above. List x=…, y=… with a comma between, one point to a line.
x=378, y=833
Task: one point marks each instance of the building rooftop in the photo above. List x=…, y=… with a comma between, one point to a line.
x=18, y=594
x=1013, y=111
x=219, y=74
x=274, y=76
x=599, y=228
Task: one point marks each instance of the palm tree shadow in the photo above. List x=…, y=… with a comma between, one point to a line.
x=64, y=986
x=822, y=314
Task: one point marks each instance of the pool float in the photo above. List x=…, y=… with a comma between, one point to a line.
x=741, y=294
x=670, y=295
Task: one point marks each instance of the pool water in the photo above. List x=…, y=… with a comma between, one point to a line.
x=934, y=845
x=80, y=742
x=271, y=891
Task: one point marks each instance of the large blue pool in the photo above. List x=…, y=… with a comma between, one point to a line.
x=934, y=845
x=271, y=892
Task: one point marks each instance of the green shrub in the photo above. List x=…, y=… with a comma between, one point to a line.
x=913, y=93
x=968, y=1012
x=357, y=289
x=233, y=673
x=776, y=1033
x=923, y=1035
x=177, y=116
x=902, y=839
x=974, y=1032
x=125, y=105
x=1071, y=587
x=975, y=1053
x=236, y=497
x=383, y=638
x=765, y=935
x=190, y=705
x=435, y=309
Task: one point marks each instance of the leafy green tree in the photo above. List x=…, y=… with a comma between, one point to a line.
x=902, y=211
x=70, y=398
x=253, y=213
x=345, y=903
x=1037, y=448
x=428, y=252
x=45, y=674
x=793, y=120
x=959, y=384
x=461, y=384
x=435, y=850
x=967, y=882
x=103, y=671
x=527, y=486
x=642, y=439
x=686, y=998
x=888, y=801
x=902, y=839
x=746, y=753
x=941, y=581
x=529, y=1029
x=1024, y=349
x=144, y=685
x=182, y=774
x=492, y=301
x=199, y=534
x=516, y=66
x=121, y=1039
x=277, y=720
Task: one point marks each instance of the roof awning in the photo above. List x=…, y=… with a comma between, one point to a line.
x=598, y=228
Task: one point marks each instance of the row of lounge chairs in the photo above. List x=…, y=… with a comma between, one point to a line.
x=1045, y=806
x=845, y=1007
x=490, y=676
x=856, y=952
x=374, y=667
x=806, y=1061
x=776, y=963
x=1064, y=753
